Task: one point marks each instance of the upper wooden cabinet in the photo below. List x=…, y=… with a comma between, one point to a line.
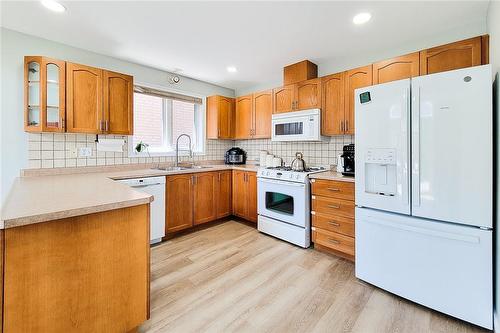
x=243, y=126
x=44, y=94
x=354, y=79
x=84, y=99
x=118, y=103
x=220, y=117
x=398, y=68
x=298, y=72
x=333, y=110
x=262, y=112
x=300, y=96
x=465, y=53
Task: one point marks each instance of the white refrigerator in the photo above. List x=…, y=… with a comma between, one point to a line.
x=424, y=191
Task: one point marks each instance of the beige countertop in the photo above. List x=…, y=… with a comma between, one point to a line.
x=331, y=175
x=36, y=199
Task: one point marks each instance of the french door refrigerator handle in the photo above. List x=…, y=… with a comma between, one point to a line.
x=415, y=163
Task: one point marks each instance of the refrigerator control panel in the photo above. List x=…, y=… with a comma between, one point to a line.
x=381, y=156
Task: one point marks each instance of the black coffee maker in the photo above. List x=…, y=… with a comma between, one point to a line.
x=348, y=160
x=235, y=155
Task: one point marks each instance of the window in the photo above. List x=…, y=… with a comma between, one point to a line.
x=159, y=120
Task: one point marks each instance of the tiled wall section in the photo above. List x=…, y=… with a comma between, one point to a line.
x=315, y=153
x=49, y=150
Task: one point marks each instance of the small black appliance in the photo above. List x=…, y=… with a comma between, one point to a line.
x=348, y=160
x=235, y=155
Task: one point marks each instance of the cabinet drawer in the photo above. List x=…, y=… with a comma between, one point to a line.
x=333, y=189
x=340, y=224
x=333, y=207
x=334, y=241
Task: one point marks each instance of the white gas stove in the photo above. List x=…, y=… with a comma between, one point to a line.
x=283, y=200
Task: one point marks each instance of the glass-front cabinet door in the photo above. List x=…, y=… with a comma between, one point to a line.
x=44, y=94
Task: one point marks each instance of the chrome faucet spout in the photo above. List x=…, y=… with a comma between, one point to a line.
x=177, y=148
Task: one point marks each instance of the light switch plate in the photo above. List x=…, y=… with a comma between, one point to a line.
x=84, y=152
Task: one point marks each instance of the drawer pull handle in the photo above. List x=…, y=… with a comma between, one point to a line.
x=333, y=189
x=333, y=241
x=334, y=223
x=334, y=206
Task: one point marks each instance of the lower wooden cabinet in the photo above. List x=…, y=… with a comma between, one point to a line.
x=332, y=216
x=197, y=198
x=245, y=195
x=179, y=203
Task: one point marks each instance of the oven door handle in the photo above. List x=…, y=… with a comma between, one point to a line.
x=284, y=183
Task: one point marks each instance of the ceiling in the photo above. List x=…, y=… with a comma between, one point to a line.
x=258, y=38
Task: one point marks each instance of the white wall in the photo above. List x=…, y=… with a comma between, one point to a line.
x=14, y=46
x=335, y=65
x=494, y=31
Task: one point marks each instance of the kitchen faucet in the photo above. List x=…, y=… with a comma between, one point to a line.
x=177, y=149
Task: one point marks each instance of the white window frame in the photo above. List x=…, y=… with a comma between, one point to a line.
x=199, y=137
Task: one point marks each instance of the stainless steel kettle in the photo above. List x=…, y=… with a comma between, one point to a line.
x=298, y=163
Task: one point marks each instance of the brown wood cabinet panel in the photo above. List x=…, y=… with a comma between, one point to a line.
x=87, y=273
x=262, y=112
x=243, y=128
x=403, y=67
x=118, y=103
x=224, y=194
x=205, y=197
x=340, y=224
x=485, y=49
x=465, y=53
x=333, y=207
x=83, y=99
x=179, y=202
x=301, y=71
x=212, y=117
x=333, y=110
x=355, y=78
x=220, y=117
x=335, y=241
x=252, y=196
x=308, y=94
x=333, y=189
x=240, y=201
x=284, y=99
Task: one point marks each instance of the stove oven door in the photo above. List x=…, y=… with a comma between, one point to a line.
x=284, y=201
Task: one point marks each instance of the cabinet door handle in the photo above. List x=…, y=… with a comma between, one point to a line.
x=334, y=223
x=334, y=206
x=218, y=132
x=333, y=241
x=333, y=189
x=106, y=125
x=347, y=125
x=219, y=177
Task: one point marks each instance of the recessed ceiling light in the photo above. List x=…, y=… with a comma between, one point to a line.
x=231, y=69
x=53, y=5
x=361, y=18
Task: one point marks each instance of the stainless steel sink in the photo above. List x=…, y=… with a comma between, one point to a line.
x=179, y=168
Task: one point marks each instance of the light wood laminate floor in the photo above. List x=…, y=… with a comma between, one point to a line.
x=231, y=278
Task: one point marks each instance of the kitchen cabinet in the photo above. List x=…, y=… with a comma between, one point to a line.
x=253, y=116
x=118, y=92
x=301, y=71
x=403, y=67
x=45, y=94
x=354, y=79
x=300, y=96
x=465, y=53
x=179, y=203
x=224, y=194
x=205, y=188
x=333, y=106
x=245, y=195
x=220, y=117
x=243, y=127
x=262, y=112
x=332, y=216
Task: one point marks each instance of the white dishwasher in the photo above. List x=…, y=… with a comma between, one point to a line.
x=156, y=187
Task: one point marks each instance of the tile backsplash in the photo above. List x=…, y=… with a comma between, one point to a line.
x=315, y=153
x=54, y=150
x=48, y=150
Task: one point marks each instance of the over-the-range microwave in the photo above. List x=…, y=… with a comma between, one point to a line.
x=297, y=126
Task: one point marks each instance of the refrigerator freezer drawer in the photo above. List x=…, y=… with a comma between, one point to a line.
x=446, y=267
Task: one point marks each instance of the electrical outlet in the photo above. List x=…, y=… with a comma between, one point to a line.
x=74, y=153
x=84, y=152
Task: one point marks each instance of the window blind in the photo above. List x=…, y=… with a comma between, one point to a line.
x=166, y=94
